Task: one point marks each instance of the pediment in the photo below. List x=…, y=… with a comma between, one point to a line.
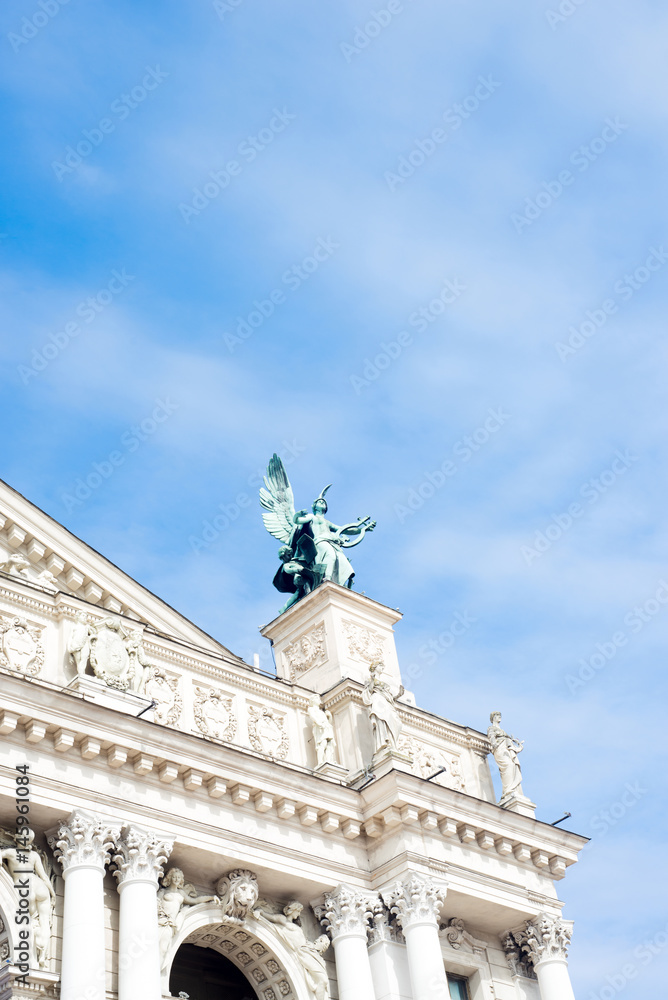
x=38, y=551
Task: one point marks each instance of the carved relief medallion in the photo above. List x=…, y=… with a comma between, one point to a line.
x=163, y=688
x=21, y=646
x=307, y=651
x=363, y=643
x=267, y=732
x=214, y=714
x=427, y=760
x=109, y=657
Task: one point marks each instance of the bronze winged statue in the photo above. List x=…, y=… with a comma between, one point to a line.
x=312, y=549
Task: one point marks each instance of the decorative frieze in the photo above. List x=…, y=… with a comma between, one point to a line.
x=214, y=714
x=267, y=731
x=83, y=839
x=309, y=650
x=21, y=646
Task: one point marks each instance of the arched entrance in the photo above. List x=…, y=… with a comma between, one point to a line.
x=205, y=974
x=272, y=971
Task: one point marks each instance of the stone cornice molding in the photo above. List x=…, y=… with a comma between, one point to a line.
x=346, y=911
x=200, y=767
x=417, y=899
x=546, y=937
x=83, y=840
x=140, y=856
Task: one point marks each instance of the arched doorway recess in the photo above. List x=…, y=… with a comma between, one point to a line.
x=204, y=974
x=271, y=969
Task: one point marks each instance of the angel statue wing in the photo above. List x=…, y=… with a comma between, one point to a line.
x=278, y=502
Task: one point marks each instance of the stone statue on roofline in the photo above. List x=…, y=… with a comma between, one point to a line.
x=505, y=749
x=312, y=549
x=381, y=702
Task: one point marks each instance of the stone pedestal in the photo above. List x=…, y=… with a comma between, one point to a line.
x=330, y=770
x=388, y=759
x=332, y=634
x=519, y=804
x=98, y=692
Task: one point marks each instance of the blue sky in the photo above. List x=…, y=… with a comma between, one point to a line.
x=499, y=167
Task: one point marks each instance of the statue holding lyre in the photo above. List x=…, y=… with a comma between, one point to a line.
x=312, y=549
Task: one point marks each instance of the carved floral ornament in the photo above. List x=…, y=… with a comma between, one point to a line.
x=214, y=714
x=140, y=855
x=83, y=839
x=542, y=937
x=416, y=899
x=346, y=911
x=21, y=646
x=267, y=731
x=309, y=650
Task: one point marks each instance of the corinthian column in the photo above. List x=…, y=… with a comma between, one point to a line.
x=82, y=844
x=139, y=860
x=546, y=940
x=416, y=903
x=346, y=914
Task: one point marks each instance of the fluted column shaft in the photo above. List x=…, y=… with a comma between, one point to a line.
x=346, y=914
x=416, y=902
x=139, y=860
x=82, y=844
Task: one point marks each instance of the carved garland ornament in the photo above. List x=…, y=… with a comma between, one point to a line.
x=267, y=732
x=21, y=646
x=307, y=651
x=214, y=714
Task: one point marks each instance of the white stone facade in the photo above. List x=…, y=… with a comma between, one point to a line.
x=412, y=879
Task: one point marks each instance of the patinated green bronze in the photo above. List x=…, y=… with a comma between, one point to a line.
x=312, y=545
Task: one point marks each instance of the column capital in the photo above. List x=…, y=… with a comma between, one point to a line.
x=546, y=937
x=140, y=855
x=83, y=840
x=416, y=899
x=346, y=911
